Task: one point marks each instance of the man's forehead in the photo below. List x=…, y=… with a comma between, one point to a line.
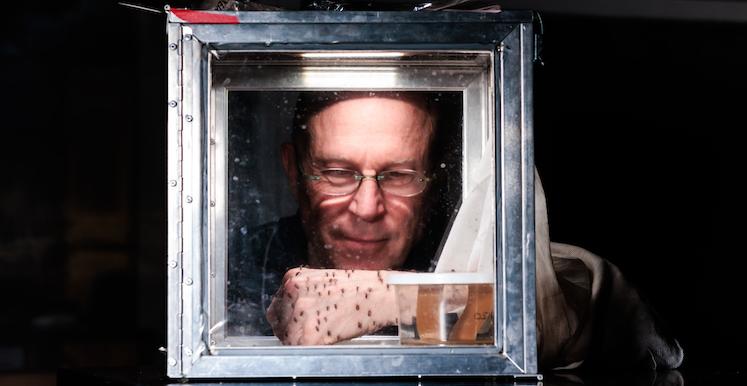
x=316, y=101
x=310, y=104
x=376, y=113
x=372, y=122
x=397, y=125
x=328, y=157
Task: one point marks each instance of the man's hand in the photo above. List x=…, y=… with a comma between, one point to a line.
x=325, y=306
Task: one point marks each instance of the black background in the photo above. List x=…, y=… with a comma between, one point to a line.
x=635, y=121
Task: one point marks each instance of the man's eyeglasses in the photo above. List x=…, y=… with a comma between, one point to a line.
x=341, y=182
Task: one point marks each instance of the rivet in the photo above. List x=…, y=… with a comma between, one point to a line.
x=173, y=264
x=212, y=203
x=212, y=343
x=172, y=183
x=188, y=281
x=172, y=362
x=187, y=352
x=172, y=46
x=172, y=103
x=189, y=199
x=187, y=37
x=212, y=141
x=188, y=118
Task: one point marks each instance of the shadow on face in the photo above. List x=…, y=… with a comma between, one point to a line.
x=368, y=228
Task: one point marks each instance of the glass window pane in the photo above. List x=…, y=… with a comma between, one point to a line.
x=267, y=234
x=340, y=173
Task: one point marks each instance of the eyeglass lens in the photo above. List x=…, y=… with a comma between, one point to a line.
x=397, y=182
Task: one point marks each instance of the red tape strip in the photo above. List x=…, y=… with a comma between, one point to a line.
x=203, y=17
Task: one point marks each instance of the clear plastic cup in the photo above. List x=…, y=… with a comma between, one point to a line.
x=444, y=308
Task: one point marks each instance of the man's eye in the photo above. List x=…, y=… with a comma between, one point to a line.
x=337, y=173
x=398, y=177
x=338, y=176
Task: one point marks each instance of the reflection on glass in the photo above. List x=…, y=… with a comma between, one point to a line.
x=348, y=185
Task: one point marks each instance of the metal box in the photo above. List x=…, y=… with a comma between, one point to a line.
x=227, y=70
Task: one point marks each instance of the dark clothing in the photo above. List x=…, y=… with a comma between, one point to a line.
x=588, y=314
x=264, y=255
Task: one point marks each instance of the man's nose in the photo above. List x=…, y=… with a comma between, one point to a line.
x=368, y=200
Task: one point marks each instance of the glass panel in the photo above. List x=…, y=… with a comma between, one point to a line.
x=332, y=185
x=394, y=220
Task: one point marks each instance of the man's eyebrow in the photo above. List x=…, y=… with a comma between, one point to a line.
x=332, y=160
x=406, y=162
x=348, y=161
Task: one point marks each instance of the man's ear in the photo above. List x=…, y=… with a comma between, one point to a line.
x=288, y=156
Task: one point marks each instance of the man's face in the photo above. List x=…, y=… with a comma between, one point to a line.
x=369, y=228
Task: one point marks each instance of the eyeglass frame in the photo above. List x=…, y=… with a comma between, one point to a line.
x=359, y=177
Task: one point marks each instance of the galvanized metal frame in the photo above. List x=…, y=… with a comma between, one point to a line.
x=192, y=236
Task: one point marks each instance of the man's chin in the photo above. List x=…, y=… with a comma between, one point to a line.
x=362, y=260
x=362, y=264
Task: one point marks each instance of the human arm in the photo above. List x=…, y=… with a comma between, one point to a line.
x=326, y=306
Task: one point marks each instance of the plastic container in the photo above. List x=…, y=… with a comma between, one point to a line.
x=444, y=308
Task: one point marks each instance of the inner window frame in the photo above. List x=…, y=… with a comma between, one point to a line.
x=462, y=71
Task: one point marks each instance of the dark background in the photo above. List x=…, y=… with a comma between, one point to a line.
x=637, y=119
